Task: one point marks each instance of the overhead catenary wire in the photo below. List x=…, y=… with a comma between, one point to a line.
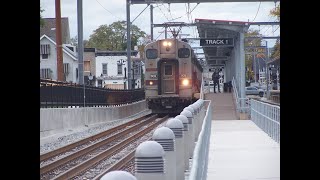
x=108, y=10
x=257, y=12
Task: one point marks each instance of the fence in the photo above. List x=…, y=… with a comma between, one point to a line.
x=242, y=104
x=62, y=94
x=201, y=152
x=266, y=117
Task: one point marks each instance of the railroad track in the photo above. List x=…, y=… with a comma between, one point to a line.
x=72, y=161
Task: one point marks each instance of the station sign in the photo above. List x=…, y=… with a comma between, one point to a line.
x=216, y=42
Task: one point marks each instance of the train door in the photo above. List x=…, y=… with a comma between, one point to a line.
x=168, y=78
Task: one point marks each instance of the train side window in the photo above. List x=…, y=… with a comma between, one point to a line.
x=152, y=53
x=183, y=53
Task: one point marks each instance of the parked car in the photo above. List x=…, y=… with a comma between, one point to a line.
x=263, y=87
x=252, y=90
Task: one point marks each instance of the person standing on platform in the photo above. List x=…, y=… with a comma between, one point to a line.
x=215, y=78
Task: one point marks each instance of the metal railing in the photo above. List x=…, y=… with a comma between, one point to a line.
x=201, y=152
x=242, y=104
x=266, y=117
x=55, y=94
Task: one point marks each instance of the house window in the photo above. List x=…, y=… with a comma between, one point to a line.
x=44, y=51
x=119, y=68
x=45, y=73
x=87, y=66
x=104, y=69
x=66, y=68
x=77, y=73
x=45, y=56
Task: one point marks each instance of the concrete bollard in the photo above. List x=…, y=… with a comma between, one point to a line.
x=188, y=114
x=202, y=110
x=190, y=137
x=186, y=145
x=196, y=117
x=165, y=137
x=189, y=109
x=200, y=103
x=149, y=161
x=118, y=175
x=177, y=127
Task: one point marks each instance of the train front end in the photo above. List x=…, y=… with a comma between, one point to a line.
x=168, y=77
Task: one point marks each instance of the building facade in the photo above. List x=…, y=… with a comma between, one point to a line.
x=48, y=60
x=111, y=69
x=89, y=61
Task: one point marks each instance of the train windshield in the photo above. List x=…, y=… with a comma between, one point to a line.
x=152, y=53
x=183, y=53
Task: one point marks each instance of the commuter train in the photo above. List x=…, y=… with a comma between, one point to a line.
x=173, y=76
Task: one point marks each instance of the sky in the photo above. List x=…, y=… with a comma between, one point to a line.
x=101, y=12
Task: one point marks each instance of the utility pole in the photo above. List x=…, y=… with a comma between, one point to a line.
x=151, y=21
x=255, y=68
x=60, y=76
x=125, y=77
x=267, y=71
x=128, y=43
x=80, y=42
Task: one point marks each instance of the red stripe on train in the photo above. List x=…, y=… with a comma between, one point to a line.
x=151, y=69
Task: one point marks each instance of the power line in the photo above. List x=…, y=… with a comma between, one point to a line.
x=257, y=12
x=162, y=12
x=160, y=34
x=108, y=10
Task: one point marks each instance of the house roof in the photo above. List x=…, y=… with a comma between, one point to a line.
x=50, y=25
x=65, y=49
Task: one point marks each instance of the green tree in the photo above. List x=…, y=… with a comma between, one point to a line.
x=276, y=13
x=250, y=52
x=113, y=37
x=74, y=42
x=41, y=20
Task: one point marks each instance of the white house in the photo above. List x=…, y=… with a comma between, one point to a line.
x=111, y=69
x=48, y=60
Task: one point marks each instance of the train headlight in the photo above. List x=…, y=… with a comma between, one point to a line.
x=151, y=83
x=167, y=44
x=185, y=82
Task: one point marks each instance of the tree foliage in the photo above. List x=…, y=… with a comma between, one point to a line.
x=113, y=37
x=41, y=20
x=276, y=13
x=74, y=42
x=249, y=57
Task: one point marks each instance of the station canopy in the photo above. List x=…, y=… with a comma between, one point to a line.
x=193, y=1
x=213, y=31
x=218, y=38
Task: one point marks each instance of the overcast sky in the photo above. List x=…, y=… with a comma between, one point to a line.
x=99, y=12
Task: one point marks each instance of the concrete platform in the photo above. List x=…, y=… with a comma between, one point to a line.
x=239, y=150
x=223, y=106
